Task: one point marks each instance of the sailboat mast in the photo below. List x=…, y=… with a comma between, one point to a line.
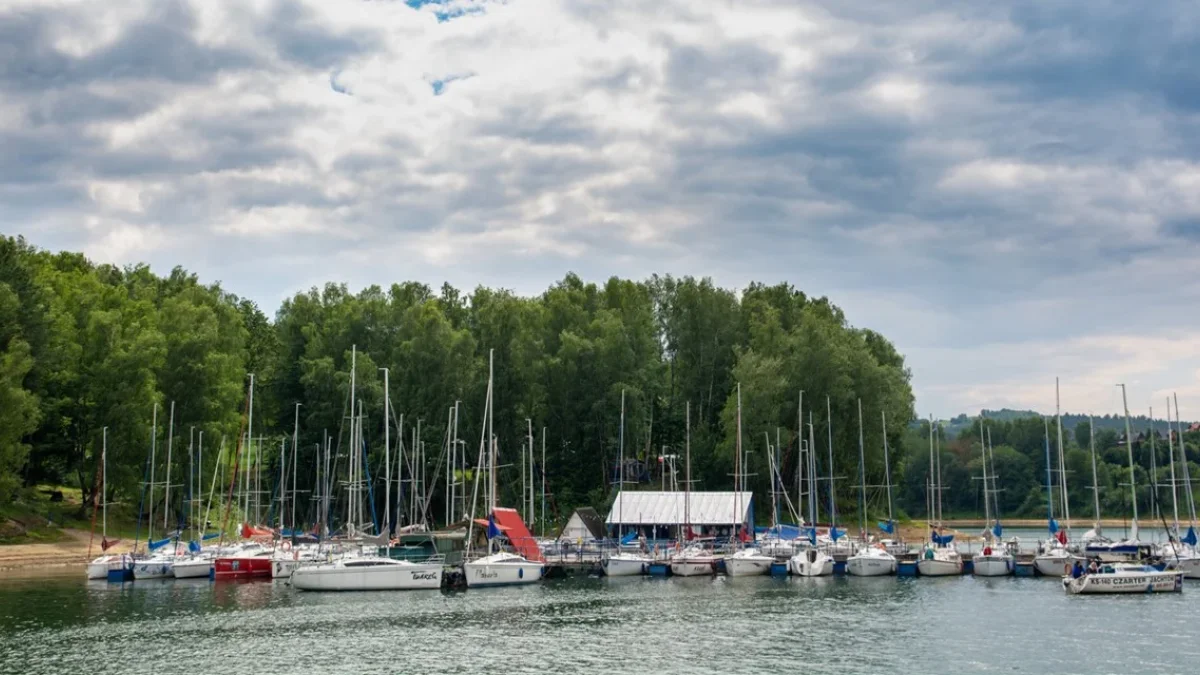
x=862, y=475
x=987, y=502
x=1132, y=476
x=1062, y=462
x=1095, y=475
x=1171, y=461
x=167, y=475
x=282, y=481
x=887, y=467
x=995, y=486
x=775, y=463
x=937, y=442
x=687, y=460
x=387, y=455
x=532, y=491
x=812, y=470
x=1154, y=510
x=543, y=482
x=1049, y=480
x=929, y=497
x=295, y=462
x=491, y=445
x=832, y=502
x=737, y=466
x=103, y=484
x=249, y=446
x=1187, y=476
x=801, y=466
x=621, y=472
x=153, y=448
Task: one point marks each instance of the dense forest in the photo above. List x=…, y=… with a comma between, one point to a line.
x=87, y=347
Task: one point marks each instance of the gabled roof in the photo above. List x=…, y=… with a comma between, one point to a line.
x=667, y=508
x=592, y=521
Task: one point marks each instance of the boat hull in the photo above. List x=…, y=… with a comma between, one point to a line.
x=242, y=568
x=992, y=566
x=692, y=568
x=483, y=574
x=1108, y=584
x=933, y=567
x=283, y=568
x=747, y=567
x=1053, y=565
x=870, y=566
x=98, y=569
x=624, y=567
x=380, y=578
x=153, y=569
x=806, y=565
x=1189, y=566
x=193, y=569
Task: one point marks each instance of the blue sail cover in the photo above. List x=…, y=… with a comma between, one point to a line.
x=1053, y=525
x=629, y=538
x=782, y=531
x=492, y=531
x=1190, y=537
x=941, y=539
x=835, y=533
x=812, y=535
x=998, y=530
x=212, y=535
x=155, y=545
x=888, y=526
x=194, y=546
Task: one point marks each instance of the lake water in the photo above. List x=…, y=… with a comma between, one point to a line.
x=632, y=625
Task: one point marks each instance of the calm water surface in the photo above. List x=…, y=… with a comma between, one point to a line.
x=632, y=625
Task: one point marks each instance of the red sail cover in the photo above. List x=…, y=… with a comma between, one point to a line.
x=513, y=527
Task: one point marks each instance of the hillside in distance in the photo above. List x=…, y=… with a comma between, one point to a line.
x=1110, y=422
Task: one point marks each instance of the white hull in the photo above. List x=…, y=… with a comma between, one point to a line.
x=748, y=567
x=98, y=568
x=992, y=566
x=806, y=565
x=934, y=567
x=282, y=568
x=625, y=567
x=870, y=566
x=1142, y=582
x=192, y=569
x=1189, y=566
x=154, y=569
x=391, y=577
x=481, y=573
x=692, y=568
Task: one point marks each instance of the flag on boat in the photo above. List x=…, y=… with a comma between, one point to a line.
x=941, y=539
x=1190, y=537
x=888, y=526
x=493, y=531
x=1053, y=524
x=1061, y=537
x=998, y=530
x=106, y=544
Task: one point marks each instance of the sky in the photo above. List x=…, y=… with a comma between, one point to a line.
x=1010, y=192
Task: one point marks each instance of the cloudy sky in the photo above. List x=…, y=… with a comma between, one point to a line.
x=1008, y=191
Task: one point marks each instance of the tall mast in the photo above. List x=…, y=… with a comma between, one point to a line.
x=1095, y=476
x=282, y=481
x=353, y=512
x=103, y=485
x=491, y=444
x=543, y=482
x=995, y=486
x=832, y=502
x=1187, y=476
x=295, y=465
x=800, y=458
x=862, y=475
x=621, y=472
x=387, y=455
x=167, y=475
x=1132, y=478
x=987, y=501
x=932, y=475
x=153, y=448
x=775, y=464
x=887, y=467
x=1049, y=480
x=737, y=466
x=191, y=484
x=1171, y=461
x=812, y=470
x=198, y=528
x=1062, y=462
x=249, y=446
x=1154, y=510
x=937, y=442
x=529, y=432
x=687, y=460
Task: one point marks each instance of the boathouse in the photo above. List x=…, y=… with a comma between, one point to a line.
x=660, y=515
x=585, y=525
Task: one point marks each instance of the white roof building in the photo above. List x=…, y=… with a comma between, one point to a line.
x=667, y=508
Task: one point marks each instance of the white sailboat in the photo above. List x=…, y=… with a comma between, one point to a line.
x=368, y=573
x=870, y=560
x=694, y=560
x=622, y=563
x=1053, y=558
x=747, y=560
x=816, y=561
x=994, y=560
x=1180, y=552
x=940, y=558
x=1131, y=547
x=98, y=568
x=497, y=568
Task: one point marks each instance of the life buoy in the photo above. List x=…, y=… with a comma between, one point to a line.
x=286, y=545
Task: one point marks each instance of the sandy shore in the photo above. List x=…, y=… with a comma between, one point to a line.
x=71, y=552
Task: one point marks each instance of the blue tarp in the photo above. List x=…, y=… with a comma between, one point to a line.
x=155, y=545
x=781, y=531
x=941, y=539
x=1190, y=537
x=629, y=538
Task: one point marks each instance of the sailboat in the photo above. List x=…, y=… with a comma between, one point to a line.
x=161, y=563
x=1180, y=552
x=939, y=558
x=98, y=568
x=1053, y=558
x=498, y=568
x=872, y=559
x=622, y=563
x=1131, y=547
x=693, y=560
x=994, y=560
x=747, y=560
x=815, y=561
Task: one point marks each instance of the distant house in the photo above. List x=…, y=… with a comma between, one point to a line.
x=584, y=525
